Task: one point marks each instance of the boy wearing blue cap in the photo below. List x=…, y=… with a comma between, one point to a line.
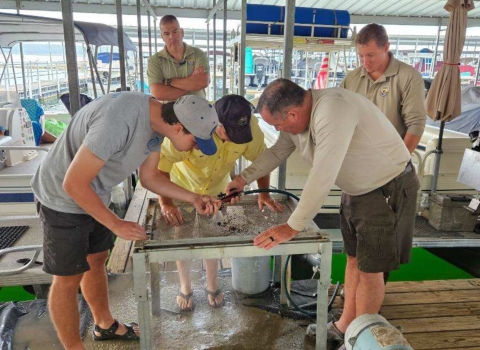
x=105, y=142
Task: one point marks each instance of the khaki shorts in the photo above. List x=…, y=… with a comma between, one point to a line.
x=68, y=239
x=380, y=233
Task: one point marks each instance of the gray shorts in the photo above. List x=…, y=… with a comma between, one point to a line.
x=68, y=239
x=380, y=233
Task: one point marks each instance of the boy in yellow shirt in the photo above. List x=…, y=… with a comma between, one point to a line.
x=238, y=135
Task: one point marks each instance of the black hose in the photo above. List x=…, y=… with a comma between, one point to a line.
x=287, y=294
x=298, y=308
x=271, y=190
x=334, y=295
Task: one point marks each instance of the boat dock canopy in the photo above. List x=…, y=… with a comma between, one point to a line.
x=22, y=28
x=407, y=12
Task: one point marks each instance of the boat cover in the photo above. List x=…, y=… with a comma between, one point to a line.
x=23, y=28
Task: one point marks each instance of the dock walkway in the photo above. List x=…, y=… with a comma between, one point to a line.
x=440, y=315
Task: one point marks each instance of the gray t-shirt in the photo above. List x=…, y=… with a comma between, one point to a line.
x=116, y=128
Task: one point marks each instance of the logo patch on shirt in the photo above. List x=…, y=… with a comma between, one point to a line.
x=191, y=62
x=153, y=143
x=384, y=90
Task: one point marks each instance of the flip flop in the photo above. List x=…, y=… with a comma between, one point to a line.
x=107, y=334
x=187, y=298
x=214, y=295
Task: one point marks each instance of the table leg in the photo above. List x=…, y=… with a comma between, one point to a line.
x=283, y=296
x=141, y=296
x=155, y=287
x=325, y=250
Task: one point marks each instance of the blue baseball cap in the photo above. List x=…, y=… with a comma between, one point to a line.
x=200, y=118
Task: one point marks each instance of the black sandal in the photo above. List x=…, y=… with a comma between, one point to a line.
x=107, y=334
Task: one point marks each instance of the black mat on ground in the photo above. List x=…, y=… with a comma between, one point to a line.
x=328, y=221
x=23, y=324
x=9, y=234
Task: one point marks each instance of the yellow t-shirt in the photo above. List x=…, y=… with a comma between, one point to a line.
x=209, y=175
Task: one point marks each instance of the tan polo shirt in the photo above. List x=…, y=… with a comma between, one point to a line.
x=163, y=66
x=399, y=93
x=348, y=142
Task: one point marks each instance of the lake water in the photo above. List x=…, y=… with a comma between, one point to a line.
x=59, y=107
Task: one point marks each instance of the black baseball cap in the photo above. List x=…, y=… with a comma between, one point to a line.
x=235, y=113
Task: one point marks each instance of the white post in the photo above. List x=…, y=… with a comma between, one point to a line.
x=39, y=84
x=30, y=79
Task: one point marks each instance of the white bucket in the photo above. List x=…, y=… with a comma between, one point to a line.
x=374, y=332
x=251, y=275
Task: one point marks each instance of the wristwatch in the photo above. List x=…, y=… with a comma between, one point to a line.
x=167, y=81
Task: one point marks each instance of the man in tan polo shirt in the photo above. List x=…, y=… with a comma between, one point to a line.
x=178, y=69
x=393, y=86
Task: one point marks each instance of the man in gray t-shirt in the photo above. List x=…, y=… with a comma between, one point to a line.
x=105, y=142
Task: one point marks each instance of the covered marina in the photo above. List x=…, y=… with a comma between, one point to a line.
x=441, y=314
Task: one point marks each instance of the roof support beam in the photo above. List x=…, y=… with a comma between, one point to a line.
x=149, y=8
x=214, y=10
x=413, y=21
x=110, y=9
x=72, y=66
x=205, y=13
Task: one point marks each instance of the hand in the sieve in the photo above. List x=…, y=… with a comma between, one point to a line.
x=171, y=214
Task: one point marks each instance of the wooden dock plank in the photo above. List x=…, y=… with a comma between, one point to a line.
x=120, y=254
x=431, y=286
x=425, y=298
x=391, y=312
x=444, y=340
x=438, y=324
x=416, y=298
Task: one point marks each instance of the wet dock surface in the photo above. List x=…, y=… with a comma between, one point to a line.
x=440, y=315
x=238, y=324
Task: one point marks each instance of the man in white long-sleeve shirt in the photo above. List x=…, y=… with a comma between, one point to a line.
x=350, y=143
